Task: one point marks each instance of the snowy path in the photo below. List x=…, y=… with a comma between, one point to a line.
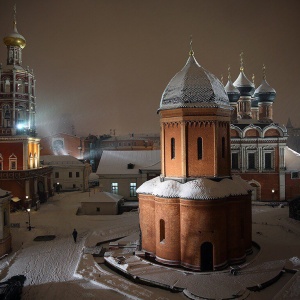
x=51, y=267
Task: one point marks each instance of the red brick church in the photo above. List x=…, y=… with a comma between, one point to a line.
x=195, y=214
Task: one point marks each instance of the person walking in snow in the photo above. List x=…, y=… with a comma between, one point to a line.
x=74, y=233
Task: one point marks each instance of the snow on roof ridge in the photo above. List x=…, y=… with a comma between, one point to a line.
x=201, y=188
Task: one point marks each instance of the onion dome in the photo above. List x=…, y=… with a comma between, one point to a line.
x=15, y=39
x=193, y=86
x=265, y=93
x=242, y=83
x=232, y=92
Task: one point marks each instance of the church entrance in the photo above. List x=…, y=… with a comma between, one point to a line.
x=207, y=257
x=256, y=192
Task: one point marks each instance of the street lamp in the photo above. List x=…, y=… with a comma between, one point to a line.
x=273, y=191
x=29, y=225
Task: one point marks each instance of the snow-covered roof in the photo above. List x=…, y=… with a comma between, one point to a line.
x=116, y=162
x=198, y=189
x=102, y=197
x=232, y=92
x=4, y=193
x=292, y=159
x=244, y=85
x=60, y=160
x=135, y=136
x=194, y=86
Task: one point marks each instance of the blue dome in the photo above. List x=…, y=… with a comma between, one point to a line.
x=232, y=92
x=194, y=86
x=244, y=85
x=265, y=93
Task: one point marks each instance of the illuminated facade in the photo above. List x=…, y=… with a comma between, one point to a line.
x=258, y=145
x=195, y=214
x=20, y=170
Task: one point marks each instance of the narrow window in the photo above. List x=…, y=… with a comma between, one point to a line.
x=199, y=148
x=70, y=174
x=133, y=189
x=5, y=217
x=162, y=233
x=234, y=161
x=172, y=148
x=98, y=208
x=242, y=229
x=77, y=174
x=30, y=160
x=114, y=188
x=251, y=160
x=223, y=147
x=268, y=161
x=56, y=174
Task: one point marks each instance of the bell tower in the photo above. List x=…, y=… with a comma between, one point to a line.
x=17, y=89
x=19, y=146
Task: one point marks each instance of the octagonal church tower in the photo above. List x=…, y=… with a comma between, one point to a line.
x=195, y=214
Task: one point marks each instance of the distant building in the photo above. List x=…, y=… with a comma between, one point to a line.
x=292, y=175
x=132, y=142
x=121, y=172
x=101, y=203
x=5, y=235
x=63, y=144
x=69, y=173
x=20, y=170
x=293, y=140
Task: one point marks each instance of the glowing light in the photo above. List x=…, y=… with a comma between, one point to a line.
x=20, y=126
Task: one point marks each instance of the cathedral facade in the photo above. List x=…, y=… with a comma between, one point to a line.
x=258, y=144
x=195, y=214
x=20, y=170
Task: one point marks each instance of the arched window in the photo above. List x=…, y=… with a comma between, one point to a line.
x=13, y=162
x=200, y=148
x=6, y=116
x=172, y=148
x=223, y=147
x=7, y=86
x=162, y=233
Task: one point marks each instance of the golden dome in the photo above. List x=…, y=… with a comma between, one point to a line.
x=15, y=39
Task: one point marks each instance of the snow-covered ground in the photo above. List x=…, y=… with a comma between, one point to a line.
x=50, y=266
x=58, y=269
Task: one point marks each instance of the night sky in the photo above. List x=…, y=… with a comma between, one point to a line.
x=102, y=65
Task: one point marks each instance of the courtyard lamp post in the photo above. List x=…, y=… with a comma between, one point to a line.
x=273, y=191
x=29, y=225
